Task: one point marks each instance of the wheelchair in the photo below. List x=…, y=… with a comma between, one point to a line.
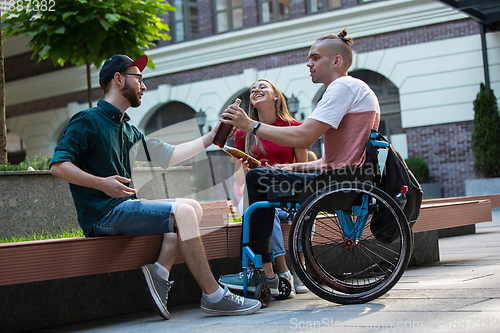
x=345, y=257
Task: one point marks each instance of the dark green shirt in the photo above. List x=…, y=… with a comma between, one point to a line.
x=97, y=141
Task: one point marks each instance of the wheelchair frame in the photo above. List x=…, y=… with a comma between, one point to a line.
x=346, y=263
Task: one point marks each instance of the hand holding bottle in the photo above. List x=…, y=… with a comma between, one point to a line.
x=223, y=132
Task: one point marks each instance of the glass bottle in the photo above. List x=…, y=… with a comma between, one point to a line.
x=224, y=130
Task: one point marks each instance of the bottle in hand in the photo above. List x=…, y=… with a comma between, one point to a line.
x=224, y=130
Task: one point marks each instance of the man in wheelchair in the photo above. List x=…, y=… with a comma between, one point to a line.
x=344, y=116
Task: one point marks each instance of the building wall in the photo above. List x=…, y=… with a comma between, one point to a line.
x=448, y=150
x=430, y=52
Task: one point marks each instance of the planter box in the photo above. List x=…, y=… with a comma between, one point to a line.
x=432, y=190
x=482, y=186
x=37, y=202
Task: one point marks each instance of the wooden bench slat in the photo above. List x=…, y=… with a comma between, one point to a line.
x=64, y=258
x=221, y=210
x=494, y=198
x=216, y=204
x=83, y=257
x=448, y=215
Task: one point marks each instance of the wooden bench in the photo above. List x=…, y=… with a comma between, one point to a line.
x=68, y=280
x=445, y=213
x=70, y=257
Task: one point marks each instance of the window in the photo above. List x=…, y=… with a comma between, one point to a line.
x=228, y=15
x=185, y=20
x=317, y=6
x=274, y=10
x=388, y=97
x=168, y=115
x=16, y=148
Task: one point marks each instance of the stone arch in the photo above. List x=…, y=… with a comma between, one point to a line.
x=58, y=133
x=166, y=115
x=388, y=96
x=242, y=94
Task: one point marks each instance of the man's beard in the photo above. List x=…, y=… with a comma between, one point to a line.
x=131, y=96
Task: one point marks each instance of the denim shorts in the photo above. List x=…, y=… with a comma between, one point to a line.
x=137, y=217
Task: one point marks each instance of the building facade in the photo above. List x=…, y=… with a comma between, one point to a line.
x=422, y=58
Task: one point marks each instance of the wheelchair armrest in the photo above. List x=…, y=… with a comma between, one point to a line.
x=277, y=193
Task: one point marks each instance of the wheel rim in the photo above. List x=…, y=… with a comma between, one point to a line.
x=343, y=268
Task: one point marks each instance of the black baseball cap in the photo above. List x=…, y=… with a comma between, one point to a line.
x=119, y=63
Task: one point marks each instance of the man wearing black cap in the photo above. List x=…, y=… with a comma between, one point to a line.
x=95, y=156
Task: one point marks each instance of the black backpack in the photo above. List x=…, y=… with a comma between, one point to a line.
x=395, y=175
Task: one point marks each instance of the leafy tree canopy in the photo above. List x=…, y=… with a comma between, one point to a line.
x=90, y=31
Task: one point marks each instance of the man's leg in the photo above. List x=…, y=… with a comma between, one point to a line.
x=215, y=300
x=279, y=253
x=258, y=184
x=143, y=217
x=187, y=218
x=278, y=245
x=169, y=250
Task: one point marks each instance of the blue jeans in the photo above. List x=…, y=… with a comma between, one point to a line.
x=137, y=217
x=262, y=220
x=277, y=242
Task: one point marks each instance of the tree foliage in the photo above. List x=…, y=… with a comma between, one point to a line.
x=486, y=134
x=89, y=31
x=84, y=31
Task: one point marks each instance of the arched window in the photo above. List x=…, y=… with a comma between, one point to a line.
x=390, y=110
x=167, y=115
x=16, y=148
x=388, y=97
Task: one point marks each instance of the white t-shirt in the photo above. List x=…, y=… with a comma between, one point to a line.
x=352, y=109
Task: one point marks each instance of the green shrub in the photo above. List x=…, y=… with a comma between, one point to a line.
x=486, y=134
x=38, y=163
x=419, y=168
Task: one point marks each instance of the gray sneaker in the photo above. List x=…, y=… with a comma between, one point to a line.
x=230, y=305
x=158, y=289
x=235, y=282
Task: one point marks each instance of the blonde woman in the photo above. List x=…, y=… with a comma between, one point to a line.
x=268, y=106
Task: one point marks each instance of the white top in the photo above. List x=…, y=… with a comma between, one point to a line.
x=352, y=109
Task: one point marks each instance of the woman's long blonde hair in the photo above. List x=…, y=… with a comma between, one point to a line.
x=282, y=112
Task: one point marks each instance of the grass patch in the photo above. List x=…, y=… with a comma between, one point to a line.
x=235, y=218
x=55, y=235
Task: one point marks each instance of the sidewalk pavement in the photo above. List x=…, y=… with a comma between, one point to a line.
x=460, y=293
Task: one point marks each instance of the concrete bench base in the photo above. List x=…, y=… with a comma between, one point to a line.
x=51, y=303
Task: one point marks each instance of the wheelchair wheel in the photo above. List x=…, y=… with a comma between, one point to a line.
x=263, y=294
x=284, y=288
x=344, y=262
